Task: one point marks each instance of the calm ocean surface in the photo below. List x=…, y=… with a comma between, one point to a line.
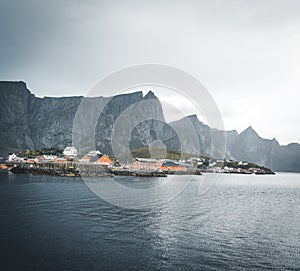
x=242, y=223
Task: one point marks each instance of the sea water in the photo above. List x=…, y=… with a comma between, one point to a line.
x=243, y=222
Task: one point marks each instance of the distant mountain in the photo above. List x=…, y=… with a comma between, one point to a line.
x=29, y=122
x=247, y=146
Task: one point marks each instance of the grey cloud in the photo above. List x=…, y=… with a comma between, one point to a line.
x=239, y=49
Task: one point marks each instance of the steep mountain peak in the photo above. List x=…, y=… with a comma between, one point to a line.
x=249, y=131
x=150, y=95
x=193, y=117
x=274, y=141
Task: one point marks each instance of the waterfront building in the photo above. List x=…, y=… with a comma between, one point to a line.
x=12, y=157
x=146, y=164
x=70, y=152
x=173, y=166
x=87, y=157
x=29, y=160
x=101, y=159
x=96, y=157
x=60, y=160
x=46, y=158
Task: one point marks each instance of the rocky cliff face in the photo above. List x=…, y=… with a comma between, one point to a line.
x=131, y=121
x=29, y=122
x=14, y=117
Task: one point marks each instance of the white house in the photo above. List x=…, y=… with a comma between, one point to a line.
x=12, y=157
x=71, y=152
x=93, y=153
x=49, y=158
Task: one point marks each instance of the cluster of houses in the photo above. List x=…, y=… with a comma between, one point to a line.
x=69, y=154
x=97, y=158
x=140, y=164
x=202, y=164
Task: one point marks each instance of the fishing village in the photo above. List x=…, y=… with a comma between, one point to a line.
x=94, y=163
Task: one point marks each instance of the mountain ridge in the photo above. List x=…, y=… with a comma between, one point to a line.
x=30, y=122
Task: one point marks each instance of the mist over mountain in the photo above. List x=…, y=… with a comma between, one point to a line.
x=29, y=122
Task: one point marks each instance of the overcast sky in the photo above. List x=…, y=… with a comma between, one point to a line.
x=245, y=52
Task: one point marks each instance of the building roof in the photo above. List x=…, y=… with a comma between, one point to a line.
x=146, y=160
x=96, y=157
x=170, y=164
x=173, y=164
x=69, y=148
x=93, y=153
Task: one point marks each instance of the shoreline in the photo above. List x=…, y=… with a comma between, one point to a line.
x=72, y=169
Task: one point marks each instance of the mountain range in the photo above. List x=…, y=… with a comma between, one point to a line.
x=30, y=122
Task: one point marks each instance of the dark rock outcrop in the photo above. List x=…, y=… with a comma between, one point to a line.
x=29, y=122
